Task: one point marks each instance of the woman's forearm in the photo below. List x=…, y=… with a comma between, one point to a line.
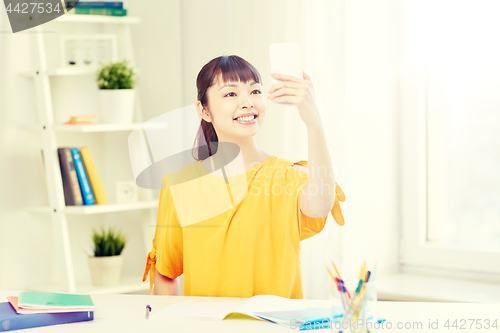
x=164, y=285
x=320, y=177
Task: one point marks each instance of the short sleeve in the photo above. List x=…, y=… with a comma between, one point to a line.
x=309, y=226
x=167, y=252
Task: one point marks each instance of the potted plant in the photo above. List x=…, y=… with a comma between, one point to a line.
x=106, y=264
x=116, y=93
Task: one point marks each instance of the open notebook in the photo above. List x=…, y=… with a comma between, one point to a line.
x=279, y=310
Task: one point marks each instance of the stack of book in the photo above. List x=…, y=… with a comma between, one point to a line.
x=81, y=182
x=82, y=119
x=34, y=309
x=110, y=8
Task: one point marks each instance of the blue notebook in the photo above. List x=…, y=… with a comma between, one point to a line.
x=305, y=319
x=83, y=179
x=10, y=320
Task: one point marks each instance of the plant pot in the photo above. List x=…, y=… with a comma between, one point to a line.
x=106, y=271
x=116, y=106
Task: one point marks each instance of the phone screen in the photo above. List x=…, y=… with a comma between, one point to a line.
x=286, y=59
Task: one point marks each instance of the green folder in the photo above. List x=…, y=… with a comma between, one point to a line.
x=46, y=300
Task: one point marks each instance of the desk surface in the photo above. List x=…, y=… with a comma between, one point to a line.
x=125, y=313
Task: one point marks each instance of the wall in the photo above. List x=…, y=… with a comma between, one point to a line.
x=350, y=53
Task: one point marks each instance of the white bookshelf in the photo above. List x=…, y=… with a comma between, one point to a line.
x=98, y=19
x=99, y=209
x=65, y=72
x=85, y=128
x=48, y=128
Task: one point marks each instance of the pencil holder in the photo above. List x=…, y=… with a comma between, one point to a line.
x=360, y=316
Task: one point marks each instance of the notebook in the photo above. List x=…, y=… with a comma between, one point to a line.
x=54, y=301
x=14, y=300
x=10, y=320
x=279, y=310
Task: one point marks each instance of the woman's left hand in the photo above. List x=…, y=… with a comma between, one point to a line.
x=299, y=92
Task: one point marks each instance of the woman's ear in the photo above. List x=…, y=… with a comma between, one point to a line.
x=203, y=112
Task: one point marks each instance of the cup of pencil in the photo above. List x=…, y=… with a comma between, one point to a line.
x=358, y=300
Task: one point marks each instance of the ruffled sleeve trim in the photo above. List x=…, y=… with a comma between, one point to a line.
x=150, y=268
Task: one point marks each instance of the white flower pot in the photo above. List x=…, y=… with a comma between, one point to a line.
x=106, y=271
x=116, y=106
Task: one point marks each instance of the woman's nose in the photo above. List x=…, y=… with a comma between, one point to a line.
x=246, y=103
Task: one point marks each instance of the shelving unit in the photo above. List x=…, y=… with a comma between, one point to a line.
x=48, y=128
x=99, y=209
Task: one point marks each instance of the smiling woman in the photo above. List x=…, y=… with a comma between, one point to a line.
x=242, y=240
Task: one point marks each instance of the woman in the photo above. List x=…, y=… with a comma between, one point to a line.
x=254, y=246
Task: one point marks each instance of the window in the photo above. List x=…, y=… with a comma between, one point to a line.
x=451, y=138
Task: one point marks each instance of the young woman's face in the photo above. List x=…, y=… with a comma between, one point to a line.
x=237, y=109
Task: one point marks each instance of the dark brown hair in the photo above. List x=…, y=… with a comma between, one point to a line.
x=232, y=68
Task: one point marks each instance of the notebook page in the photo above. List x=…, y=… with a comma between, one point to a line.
x=196, y=310
x=270, y=303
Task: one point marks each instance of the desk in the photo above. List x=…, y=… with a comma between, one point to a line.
x=125, y=313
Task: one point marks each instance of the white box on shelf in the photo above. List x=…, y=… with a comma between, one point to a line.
x=87, y=51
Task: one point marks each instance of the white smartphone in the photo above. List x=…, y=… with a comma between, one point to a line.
x=286, y=59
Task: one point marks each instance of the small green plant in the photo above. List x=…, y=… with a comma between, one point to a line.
x=118, y=75
x=108, y=243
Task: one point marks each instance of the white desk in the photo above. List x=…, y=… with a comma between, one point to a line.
x=125, y=313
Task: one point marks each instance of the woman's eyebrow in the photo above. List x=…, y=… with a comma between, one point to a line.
x=234, y=85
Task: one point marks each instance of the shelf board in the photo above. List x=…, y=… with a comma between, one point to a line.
x=63, y=72
x=127, y=284
x=99, y=209
x=69, y=71
x=97, y=19
x=87, y=127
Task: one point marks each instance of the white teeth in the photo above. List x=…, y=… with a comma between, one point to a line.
x=247, y=118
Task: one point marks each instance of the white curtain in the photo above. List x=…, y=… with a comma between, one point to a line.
x=247, y=28
x=318, y=27
x=349, y=51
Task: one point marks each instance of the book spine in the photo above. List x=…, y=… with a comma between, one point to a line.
x=83, y=180
x=100, y=11
x=17, y=322
x=72, y=194
x=97, y=4
x=95, y=180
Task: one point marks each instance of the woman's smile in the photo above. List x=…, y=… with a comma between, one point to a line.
x=246, y=118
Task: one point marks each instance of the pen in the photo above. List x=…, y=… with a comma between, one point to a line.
x=341, y=294
x=148, y=310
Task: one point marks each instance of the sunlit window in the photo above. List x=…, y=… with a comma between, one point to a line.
x=463, y=124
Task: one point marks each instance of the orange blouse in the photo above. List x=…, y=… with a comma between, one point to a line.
x=249, y=249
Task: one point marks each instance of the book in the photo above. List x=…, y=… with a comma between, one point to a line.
x=97, y=4
x=83, y=180
x=48, y=300
x=82, y=119
x=95, y=180
x=10, y=320
x=14, y=302
x=100, y=11
x=287, y=312
x=72, y=193
x=304, y=319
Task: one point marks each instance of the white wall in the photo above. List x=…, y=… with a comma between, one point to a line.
x=354, y=72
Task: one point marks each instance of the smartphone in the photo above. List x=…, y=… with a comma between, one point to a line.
x=286, y=59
